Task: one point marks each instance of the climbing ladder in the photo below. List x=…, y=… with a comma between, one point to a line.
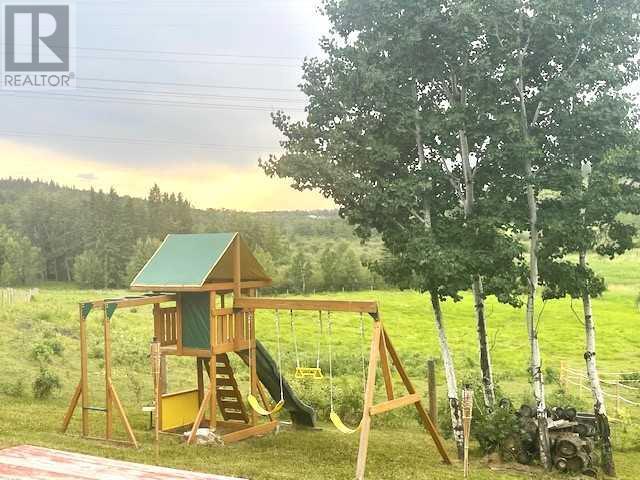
x=230, y=400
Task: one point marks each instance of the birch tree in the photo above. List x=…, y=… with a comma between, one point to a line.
x=600, y=181
x=546, y=52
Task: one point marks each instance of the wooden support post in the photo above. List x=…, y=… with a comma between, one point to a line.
x=563, y=374
x=155, y=361
x=200, y=379
x=107, y=374
x=123, y=415
x=433, y=395
x=253, y=374
x=72, y=406
x=365, y=424
x=617, y=397
x=199, y=417
x=164, y=382
x=179, y=345
x=384, y=365
x=84, y=366
x=213, y=364
x=237, y=275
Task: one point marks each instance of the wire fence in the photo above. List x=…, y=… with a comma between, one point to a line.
x=622, y=389
x=10, y=296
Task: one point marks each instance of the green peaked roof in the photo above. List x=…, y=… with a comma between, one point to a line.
x=191, y=260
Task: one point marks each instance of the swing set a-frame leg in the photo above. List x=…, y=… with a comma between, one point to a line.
x=365, y=425
x=380, y=346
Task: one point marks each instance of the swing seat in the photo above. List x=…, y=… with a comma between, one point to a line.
x=309, y=372
x=260, y=410
x=339, y=424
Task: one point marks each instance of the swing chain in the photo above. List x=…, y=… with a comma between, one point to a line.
x=319, y=338
x=364, y=375
x=295, y=338
x=330, y=361
x=279, y=354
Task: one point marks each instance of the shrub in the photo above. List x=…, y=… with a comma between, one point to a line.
x=13, y=389
x=45, y=384
x=43, y=350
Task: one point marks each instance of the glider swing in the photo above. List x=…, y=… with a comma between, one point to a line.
x=251, y=399
x=333, y=416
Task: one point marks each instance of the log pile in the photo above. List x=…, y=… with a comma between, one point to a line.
x=572, y=436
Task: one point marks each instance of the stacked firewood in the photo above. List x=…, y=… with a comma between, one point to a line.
x=572, y=437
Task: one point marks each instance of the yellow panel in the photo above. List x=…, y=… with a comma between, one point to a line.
x=179, y=409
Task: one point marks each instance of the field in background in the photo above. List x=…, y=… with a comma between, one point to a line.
x=397, y=445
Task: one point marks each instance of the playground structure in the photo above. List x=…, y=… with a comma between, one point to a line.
x=204, y=296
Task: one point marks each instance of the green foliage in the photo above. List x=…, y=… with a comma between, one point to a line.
x=87, y=270
x=20, y=261
x=101, y=239
x=45, y=384
x=13, y=389
x=494, y=429
x=43, y=350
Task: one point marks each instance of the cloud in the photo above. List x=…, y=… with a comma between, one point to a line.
x=87, y=176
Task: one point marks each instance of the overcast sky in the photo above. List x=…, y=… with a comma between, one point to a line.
x=176, y=92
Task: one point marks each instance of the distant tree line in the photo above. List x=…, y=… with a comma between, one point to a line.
x=101, y=239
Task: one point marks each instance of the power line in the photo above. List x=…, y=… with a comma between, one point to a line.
x=190, y=54
x=134, y=141
x=178, y=84
x=140, y=101
x=185, y=61
x=195, y=94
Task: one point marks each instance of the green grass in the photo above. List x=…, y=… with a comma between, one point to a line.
x=398, y=448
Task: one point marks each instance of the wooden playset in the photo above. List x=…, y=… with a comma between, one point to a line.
x=204, y=296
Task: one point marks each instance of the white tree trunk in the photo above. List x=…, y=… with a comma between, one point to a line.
x=599, y=408
x=486, y=370
x=535, y=361
x=450, y=375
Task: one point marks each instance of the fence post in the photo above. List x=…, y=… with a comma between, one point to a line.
x=433, y=397
x=563, y=374
x=617, y=397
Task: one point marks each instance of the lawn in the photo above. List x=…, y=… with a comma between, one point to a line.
x=398, y=448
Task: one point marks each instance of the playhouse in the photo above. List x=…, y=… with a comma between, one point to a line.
x=204, y=292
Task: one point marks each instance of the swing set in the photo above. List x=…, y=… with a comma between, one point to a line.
x=204, y=296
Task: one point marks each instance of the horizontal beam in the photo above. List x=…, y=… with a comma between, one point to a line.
x=207, y=287
x=367, y=306
x=395, y=403
x=133, y=301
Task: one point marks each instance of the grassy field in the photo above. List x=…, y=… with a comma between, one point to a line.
x=398, y=448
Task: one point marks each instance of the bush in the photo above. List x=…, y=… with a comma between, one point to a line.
x=43, y=350
x=87, y=270
x=494, y=429
x=45, y=384
x=13, y=389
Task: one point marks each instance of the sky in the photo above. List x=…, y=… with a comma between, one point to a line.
x=174, y=92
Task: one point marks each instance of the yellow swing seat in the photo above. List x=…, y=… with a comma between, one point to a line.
x=260, y=410
x=339, y=424
x=309, y=372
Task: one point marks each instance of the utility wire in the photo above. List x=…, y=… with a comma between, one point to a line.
x=132, y=141
x=194, y=94
x=141, y=101
x=179, y=84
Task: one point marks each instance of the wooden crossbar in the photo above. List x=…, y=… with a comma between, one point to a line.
x=395, y=403
x=133, y=301
x=367, y=306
